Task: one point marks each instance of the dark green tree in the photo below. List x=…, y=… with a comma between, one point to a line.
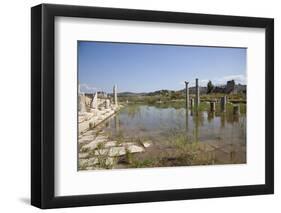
x=210, y=87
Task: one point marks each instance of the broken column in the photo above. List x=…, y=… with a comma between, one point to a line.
x=223, y=104
x=82, y=104
x=115, y=95
x=197, y=93
x=107, y=103
x=94, y=104
x=186, y=95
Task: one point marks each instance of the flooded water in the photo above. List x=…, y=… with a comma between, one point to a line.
x=219, y=138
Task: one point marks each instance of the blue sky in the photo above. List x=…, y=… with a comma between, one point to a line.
x=146, y=68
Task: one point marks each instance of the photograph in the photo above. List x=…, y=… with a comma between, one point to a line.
x=160, y=105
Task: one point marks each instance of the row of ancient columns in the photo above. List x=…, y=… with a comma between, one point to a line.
x=197, y=94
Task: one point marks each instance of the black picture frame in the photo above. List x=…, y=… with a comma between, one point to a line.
x=43, y=102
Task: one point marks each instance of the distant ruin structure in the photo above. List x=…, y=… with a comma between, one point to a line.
x=230, y=87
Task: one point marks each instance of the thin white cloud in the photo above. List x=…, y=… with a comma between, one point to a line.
x=86, y=88
x=182, y=83
x=202, y=82
x=239, y=79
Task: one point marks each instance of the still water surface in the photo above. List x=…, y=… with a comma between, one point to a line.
x=225, y=132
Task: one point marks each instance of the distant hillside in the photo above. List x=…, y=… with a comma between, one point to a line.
x=127, y=94
x=230, y=87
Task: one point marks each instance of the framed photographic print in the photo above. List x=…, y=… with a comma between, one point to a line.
x=140, y=106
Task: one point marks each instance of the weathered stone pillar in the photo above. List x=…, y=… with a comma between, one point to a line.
x=82, y=104
x=197, y=93
x=236, y=110
x=115, y=95
x=186, y=95
x=223, y=104
x=107, y=103
x=94, y=104
x=212, y=106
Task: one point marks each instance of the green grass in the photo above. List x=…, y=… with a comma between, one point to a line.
x=163, y=98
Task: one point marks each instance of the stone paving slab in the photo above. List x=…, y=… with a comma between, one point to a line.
x=206, y=147
x=83, y=155
x=146, y=144
x=110, y=144
x=90, y=132
x=112, y=152
x=88, y=137
x=135, y=149
x=88, y=162
x=91, y=146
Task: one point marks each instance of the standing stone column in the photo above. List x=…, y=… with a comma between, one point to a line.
x=186, y=95
x=82, y=104
x=197, y=93
x=115, y=95
x=81, y=100
x=107, y=103
x=223, y=104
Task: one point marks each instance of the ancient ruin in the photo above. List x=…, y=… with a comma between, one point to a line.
x=93, y=109
x=97, y=150
x=195, y=102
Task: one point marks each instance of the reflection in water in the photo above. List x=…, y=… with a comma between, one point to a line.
x=222, y=116
x=149, y=120
x=196, y=127
x=186, y=120
x=116, y=123
x=211, y=116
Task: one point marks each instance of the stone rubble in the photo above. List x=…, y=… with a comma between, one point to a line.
x=96, y=150
x=101, y=148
